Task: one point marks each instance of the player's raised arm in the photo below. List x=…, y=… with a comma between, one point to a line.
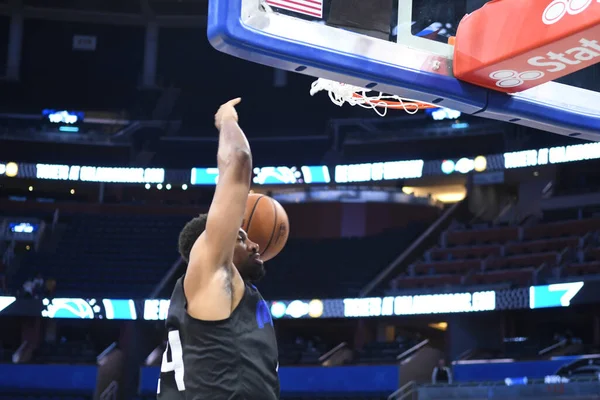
x=211, y=255
x=229, y=203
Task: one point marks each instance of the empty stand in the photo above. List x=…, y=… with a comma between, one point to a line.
x=109, y=255
x=49, y=396
x=357, y=396
x=510, y=255
x=333, y=267
x=300, y=352
x=465, y=253
x=125, y=256
x=585, y=268
x=379, y=353
x=67, y=352
x=541, y=246
x=332, y=396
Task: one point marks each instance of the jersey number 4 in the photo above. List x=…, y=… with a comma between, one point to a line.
x=176, y=363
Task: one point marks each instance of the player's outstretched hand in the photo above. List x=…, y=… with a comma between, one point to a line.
x=227, y=111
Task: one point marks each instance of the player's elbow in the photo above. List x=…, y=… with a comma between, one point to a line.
x=238, y=159
x=242, y=156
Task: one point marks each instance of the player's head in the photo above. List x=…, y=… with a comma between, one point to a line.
x=245, y=254
x=246, y=258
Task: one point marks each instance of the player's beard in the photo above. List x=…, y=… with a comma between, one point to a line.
x=252, y=271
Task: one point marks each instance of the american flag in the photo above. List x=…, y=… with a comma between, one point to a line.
x=313, y=8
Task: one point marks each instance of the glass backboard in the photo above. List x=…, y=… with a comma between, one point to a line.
x=400, y=47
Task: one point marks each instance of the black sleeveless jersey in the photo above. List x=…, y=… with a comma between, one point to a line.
x=233, y=359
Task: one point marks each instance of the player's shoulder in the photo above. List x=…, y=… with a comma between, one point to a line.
x=178, y=294
x=177, y=302
x=252, y=291
x=256, y=299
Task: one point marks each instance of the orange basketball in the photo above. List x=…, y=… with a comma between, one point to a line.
x=266, y=224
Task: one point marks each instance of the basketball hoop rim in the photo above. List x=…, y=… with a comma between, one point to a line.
x=395, y=105
x=340, y=93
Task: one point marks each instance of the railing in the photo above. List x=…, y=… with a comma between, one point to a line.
x=18, y=354
x=560, y=258
x=485, y=261
x=465, y=279
x=542, y=270
x=505, y=215
x=465, y=355
x=553, y=347
x=111, y=391
x=331, y=352
x=155, y=355
x=106, y=352
x=404, y=392
x=412, y=350
x=583, y=240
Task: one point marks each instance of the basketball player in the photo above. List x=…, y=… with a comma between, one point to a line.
x=221, y=342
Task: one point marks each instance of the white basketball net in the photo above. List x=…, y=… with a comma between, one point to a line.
x=341, y=93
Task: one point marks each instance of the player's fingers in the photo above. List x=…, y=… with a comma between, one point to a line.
x=234, y=102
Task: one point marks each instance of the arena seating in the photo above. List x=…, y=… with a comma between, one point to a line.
x=335, y=397
x=356, y=396
x=300, y=352
x=67, y=352
x=379, y=353
x=109, y=255
x=283, y=397
x=373, y=353
x=127, y=255
x=333, y=267
x=30, y=396
x=511, y=255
